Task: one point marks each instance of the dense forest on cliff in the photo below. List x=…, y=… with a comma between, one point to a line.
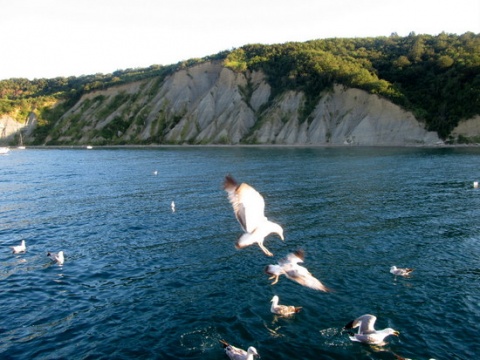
x=436, y=77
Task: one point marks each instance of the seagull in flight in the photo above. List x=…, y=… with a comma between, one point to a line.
x=400, y=271
x=57, y=257
x=366, y=331
x=283, y=310
x=19, y=248
x=235, y=353
x=289, y=267
x=248, y=206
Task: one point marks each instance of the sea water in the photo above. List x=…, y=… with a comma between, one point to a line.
x=143, y=282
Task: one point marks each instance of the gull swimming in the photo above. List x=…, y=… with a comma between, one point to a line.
x=289, y=267
x=57, y=257
x=249, y=206
x=172, y=205
x=400, y=271
x=235, y=353
x=19, y=248
x=283, y=310
x=367, y=333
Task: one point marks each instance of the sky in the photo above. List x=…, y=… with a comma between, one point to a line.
x=52, y=38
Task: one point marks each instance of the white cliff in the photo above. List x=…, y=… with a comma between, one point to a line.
x=211, y=104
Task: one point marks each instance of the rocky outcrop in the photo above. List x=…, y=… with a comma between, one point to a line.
x=13, y=132
x=467, y=131
x=8, y=126
x=211, y=104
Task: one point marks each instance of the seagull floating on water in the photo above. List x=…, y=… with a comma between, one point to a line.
x=248, y=206
x=289, y=267
x=283, y=310
x=400, y=271
x=172, y=205
x=235, y=353
x=19, y=248
x=57, y=257
x=367, y=333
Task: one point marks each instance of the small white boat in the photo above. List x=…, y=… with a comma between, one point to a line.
x=4, y=150
x=89, y=147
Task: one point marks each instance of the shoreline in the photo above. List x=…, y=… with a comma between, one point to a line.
x=160, y=146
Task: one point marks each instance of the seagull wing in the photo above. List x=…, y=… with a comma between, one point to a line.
x=367, y=323
x=233, y=352
x=302, y=276
x=286, y=310
x=292, y=259
x=248, y=205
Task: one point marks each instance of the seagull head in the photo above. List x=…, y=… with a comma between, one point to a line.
x=252, y=351
x=279, y=231
x=274, y=299
x=393, y=332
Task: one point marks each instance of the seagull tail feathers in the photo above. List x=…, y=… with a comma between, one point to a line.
x=224, y=343
x=300, y=254
x=349, y=325
x=229, y=183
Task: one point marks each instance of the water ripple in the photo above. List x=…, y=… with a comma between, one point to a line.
x=140, y=281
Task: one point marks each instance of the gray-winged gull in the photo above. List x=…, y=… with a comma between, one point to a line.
x=289, y=267
x=235, y=353
x=249, y=206
x=366, y=331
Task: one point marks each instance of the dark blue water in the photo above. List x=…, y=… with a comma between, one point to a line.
x=141, y=282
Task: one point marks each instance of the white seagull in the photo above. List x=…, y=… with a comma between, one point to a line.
x=289, y=267
x=400, y=271
x=283, y=310
x=367, y=333
x=19, y=248
x=248, y=206
x=235, y=353
x=57, y=257
x=172, y=205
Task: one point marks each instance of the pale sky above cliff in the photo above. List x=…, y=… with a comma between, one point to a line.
x=50, y=38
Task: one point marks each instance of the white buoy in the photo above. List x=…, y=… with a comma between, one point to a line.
x=155, y=172
x=475, y=184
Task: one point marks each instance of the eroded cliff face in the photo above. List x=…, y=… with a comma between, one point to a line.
x=12, y=131
x=467, y=131
x=210, y=104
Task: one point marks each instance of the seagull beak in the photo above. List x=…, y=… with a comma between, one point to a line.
x=396, y=333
